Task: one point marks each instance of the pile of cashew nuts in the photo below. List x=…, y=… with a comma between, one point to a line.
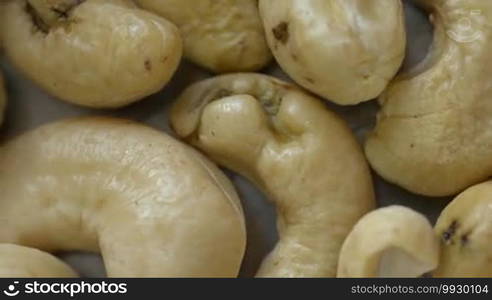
x=156, y=204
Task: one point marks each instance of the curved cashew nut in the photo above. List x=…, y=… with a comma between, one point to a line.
x=17, y=261
x=302, y=155
x=151, y=205
x=433, y=134
x=344, y=50
x=394, y=241
x=465, y=228
x=3, y=98
x=220, y=35
x=97, y=53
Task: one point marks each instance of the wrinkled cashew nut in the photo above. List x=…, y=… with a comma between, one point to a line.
x=394, y=241
x=151, y=205
x=220, y=35
x=465, y=229
x=96, y=53
x=302, y=155
x=433, y=135
x=18, y=262
x=3, y=99
x=343, y=50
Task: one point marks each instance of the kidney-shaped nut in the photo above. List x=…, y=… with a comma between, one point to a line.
x=343, y=50
x=465, y=228
x=18, y=262
x=434, y=135
x=3, y=98
x=96, y=53
x=220, y=35
x=151, y=205
x=302, y=155
x=394, y=241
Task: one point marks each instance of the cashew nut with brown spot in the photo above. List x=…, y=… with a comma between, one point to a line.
x=302, y=155
x=344, y=50
x=394, y=241
x=465, y=229
x=151, y=205
x=96, y=53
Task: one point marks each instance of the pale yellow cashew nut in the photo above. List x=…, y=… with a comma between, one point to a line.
x=96, y=53
x=303, y=156
x=465, y=229
x=394, y=241
x=17, y=261
x=220, y=35
x=433, y=135
x=346, y=51
x=151, y=205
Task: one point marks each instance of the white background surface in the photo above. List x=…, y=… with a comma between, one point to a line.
x=30, y=107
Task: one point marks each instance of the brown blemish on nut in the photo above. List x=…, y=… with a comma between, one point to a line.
x=36, y=19
x=61, y=10
x=148, y=65
x=310, y=80
x=221, y=94
x=281, y=32
x=448, y=234
x=61, y=13
x=465, y=239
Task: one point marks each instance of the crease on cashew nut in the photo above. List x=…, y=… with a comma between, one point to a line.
x=3, y=98
x=220, y=35
x=433, y=133
x=151, y=205
x=344, y=50
x=394, y=241
x=465, y=229
x=302, y=155
x=96, y=53
x=18, y=262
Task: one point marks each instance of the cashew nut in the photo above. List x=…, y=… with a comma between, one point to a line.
x=465, y=228
x=221, y=35
x=394, y=241
x=3, y=98
x=433, y=134
x=97, y=53
x=302, y=155
x=343, y=50
x=151, y=205
x=17, y=261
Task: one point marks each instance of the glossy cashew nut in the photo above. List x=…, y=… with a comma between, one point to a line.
x=394, y=241
x=433, y=135
x=220, y=35
x=302, y=155
x=17, y=261
x=465, y=229
x=96, y=53
x=151, y=205
x=344, y=50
